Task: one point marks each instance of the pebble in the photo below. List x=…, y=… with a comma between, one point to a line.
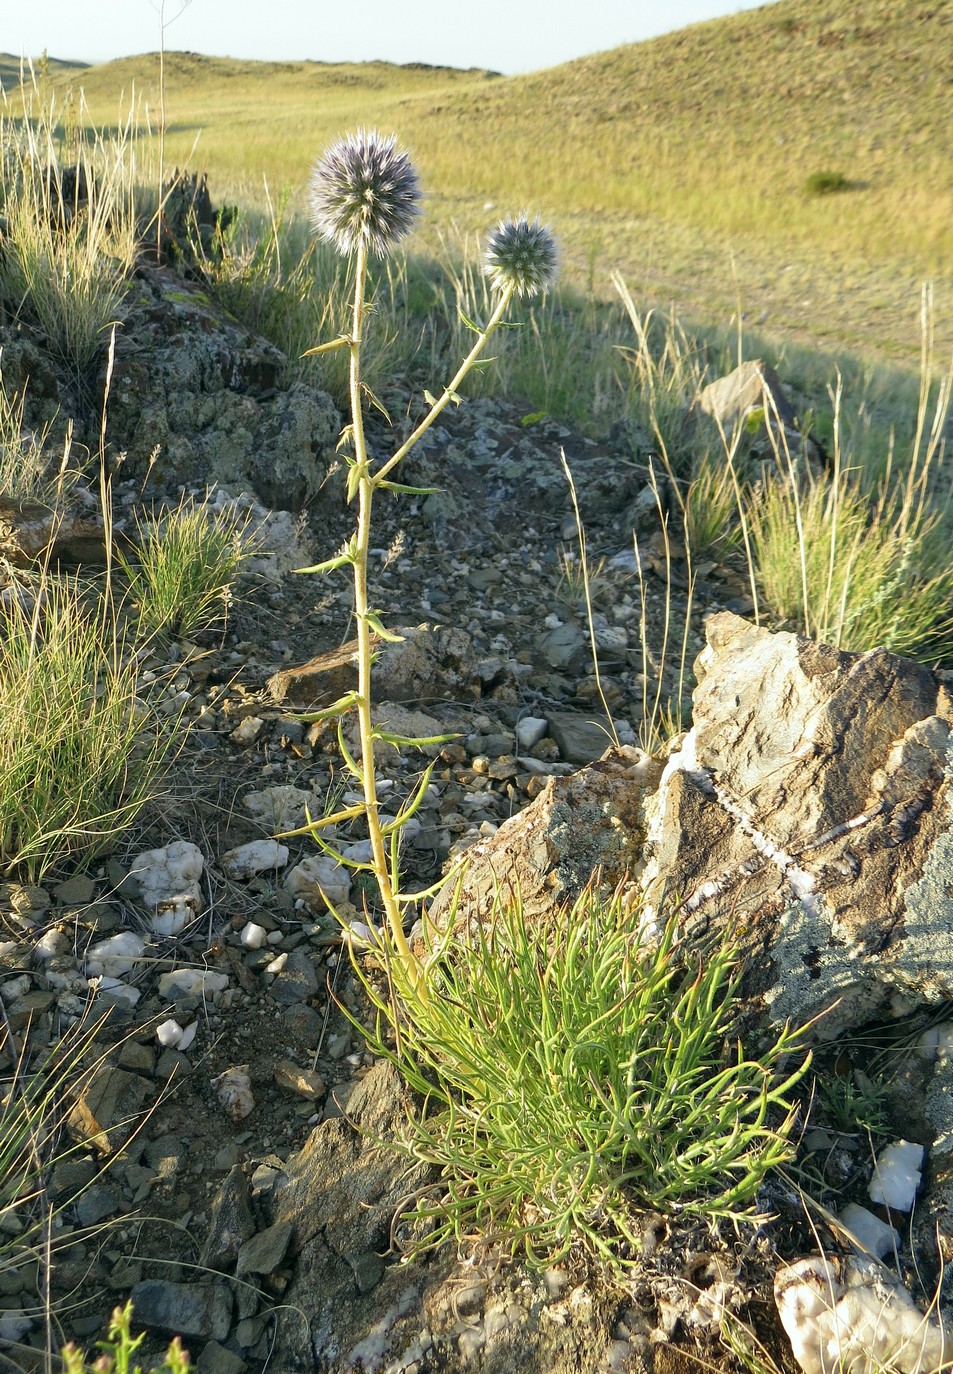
x=305, y=1082
x=258, y=856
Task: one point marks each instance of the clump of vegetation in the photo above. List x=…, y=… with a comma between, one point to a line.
x=574, y=1073
x=71, y=237
x=826, y=183
x=24, y=461
x=184, y=567
x=859, y=567
x=82, y=749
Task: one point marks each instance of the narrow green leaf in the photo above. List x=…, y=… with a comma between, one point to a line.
x=340, y=560
x=342, y=341
x=376, y=402
x=534, y=417
x=386, y=485
x=350, y=761
x=348, y=813
x=374, y=621
x=338, y=708
x=470, y=324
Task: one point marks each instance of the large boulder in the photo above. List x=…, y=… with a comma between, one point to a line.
x=807, y=813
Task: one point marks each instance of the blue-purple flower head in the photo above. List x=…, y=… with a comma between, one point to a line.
x=365, y=190
x=521, y=255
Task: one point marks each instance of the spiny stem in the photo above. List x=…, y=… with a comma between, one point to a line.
x=368, y=778
x=499, y=309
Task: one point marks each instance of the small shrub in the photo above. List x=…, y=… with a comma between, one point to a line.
x=572, y=1075
x=186, y=563
x=827, y=183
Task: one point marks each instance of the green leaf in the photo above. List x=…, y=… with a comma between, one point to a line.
x=341, y=707
x=350, y=761
x=430, y=398
x=311, y=827
x=374, y=621
x=385, y=485
x=376, y=402
x=470, y=324
x=414, y=802
x=754, y=420
x=355, y=472
x=342, y=341
x=340, y=560
x=455, y=398
x=534, y=417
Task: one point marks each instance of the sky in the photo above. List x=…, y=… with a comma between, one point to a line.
x=509, y=36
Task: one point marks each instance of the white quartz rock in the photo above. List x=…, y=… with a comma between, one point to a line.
x=876, y=1237
x=116, y=989
x=170, y=884
x=850, y=1313
x=530, y=730
x=319, y=879
x=248, y=860
x=897, y=1175
x=170, y=1034
x=50, y=944
x=15, y=987
x=116, y=955
x=191, y=982
x=253, y=935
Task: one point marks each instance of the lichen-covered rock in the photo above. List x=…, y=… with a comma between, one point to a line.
x=213, y=397
x=546, y=854
x=808, y=814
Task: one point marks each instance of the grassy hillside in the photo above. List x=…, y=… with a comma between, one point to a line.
x=687, y=161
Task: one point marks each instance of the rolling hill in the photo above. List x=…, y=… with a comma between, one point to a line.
x=695, y=162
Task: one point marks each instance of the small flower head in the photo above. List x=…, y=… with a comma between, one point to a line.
x=364, y=190
x=521, y=255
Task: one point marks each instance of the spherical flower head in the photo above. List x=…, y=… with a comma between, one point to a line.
x=364, y=191
x=522, y=256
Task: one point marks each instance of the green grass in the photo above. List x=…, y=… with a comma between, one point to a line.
x=70, y=235
x=572, y=1076
x=82, y=750
x=25, y=474
x=184, y=568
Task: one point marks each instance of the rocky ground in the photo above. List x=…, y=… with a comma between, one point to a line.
x=224, y=1167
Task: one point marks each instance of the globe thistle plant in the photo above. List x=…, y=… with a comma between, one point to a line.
x=365, y=190
x=365, y=198
x=521, y=256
